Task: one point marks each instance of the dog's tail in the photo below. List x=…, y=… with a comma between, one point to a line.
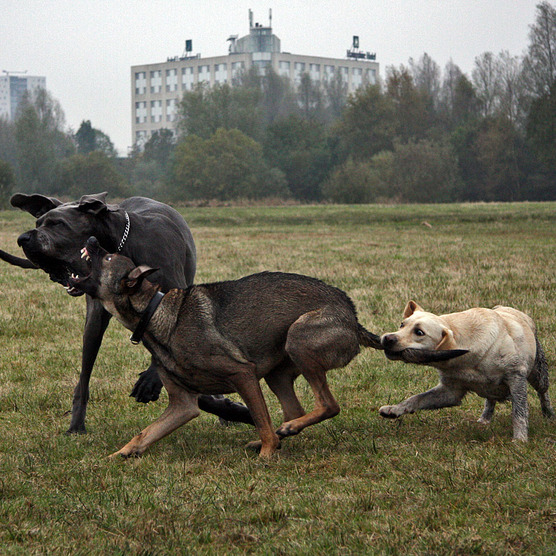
x=539, y=380
x=16, y=261
x=368, y=339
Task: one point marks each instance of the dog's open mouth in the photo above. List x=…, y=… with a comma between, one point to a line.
x=61, y=273
x=424, y=356
x=74, y=280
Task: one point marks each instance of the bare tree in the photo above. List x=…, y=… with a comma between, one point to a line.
x=426, y=76
x=486, y=79
x=540, y=61
x=511, y=91
x=452, y=74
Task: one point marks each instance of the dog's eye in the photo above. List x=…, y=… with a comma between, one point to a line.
x=108, y=258
x=419, y=332
x=402, y=325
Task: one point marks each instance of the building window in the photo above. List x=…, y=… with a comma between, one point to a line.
x=345, y=74
x=237, y=69
x=141, y=138
x=328, y=72
x=299, y=70
x=171, y=80
x=156, y=81
x=156, y=111
x=314, y=72
x=140, y=112
x=284, y=68
x=140, y=83
x=187, y=79
x=356, y=78
x=171, y=105
x=204, y=74
x=220, y=73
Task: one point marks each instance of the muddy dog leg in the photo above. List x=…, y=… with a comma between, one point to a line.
x=488, y=412
x=440, y=396
x=538, y=379
x=520, y=407
x=96, y=321
x=182, y=408
x=316, y=343
x=248, y=387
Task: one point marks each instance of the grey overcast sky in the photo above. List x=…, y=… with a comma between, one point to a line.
x=85, y=48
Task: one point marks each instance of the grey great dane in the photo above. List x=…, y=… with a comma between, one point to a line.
x=146, y=231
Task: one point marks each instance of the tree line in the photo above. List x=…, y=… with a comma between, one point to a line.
x=423, y=134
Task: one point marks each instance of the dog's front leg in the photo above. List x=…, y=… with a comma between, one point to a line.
x=520, y=408
x=442, y=395
x=148, y=386
x=96, y=321
x=182, y=408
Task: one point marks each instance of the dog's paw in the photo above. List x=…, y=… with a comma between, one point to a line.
x=76, y=430
x=390, y=412
x=257, y=445
x=147, y=388
x=122, y=454
x=287, y=429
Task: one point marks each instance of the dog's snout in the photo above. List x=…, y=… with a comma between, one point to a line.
x=24, y=239
x=389, y=341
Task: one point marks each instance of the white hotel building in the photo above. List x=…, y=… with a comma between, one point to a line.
x=156, y=89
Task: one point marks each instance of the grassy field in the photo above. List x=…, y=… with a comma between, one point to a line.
x=430, y=483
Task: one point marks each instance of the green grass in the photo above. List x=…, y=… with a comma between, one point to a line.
x=431, y=483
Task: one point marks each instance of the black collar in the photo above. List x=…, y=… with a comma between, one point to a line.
x=146, y=316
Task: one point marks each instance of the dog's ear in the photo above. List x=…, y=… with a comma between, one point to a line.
x=410, y=308
x=137, y=275
x=447, y=341
x=93, y=204
x=35, y=204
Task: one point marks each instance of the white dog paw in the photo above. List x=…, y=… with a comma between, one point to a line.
x=390, y=412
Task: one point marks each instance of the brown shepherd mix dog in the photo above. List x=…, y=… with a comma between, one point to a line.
x=224, y=337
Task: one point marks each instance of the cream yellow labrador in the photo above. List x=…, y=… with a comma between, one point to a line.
x=501, y=354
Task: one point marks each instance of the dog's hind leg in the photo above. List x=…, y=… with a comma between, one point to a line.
x=520, y=408
x=280, y=381
x=538, y=378
x=488, y=412
x=182, y=408
x=316, y=343
x=326, y=406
